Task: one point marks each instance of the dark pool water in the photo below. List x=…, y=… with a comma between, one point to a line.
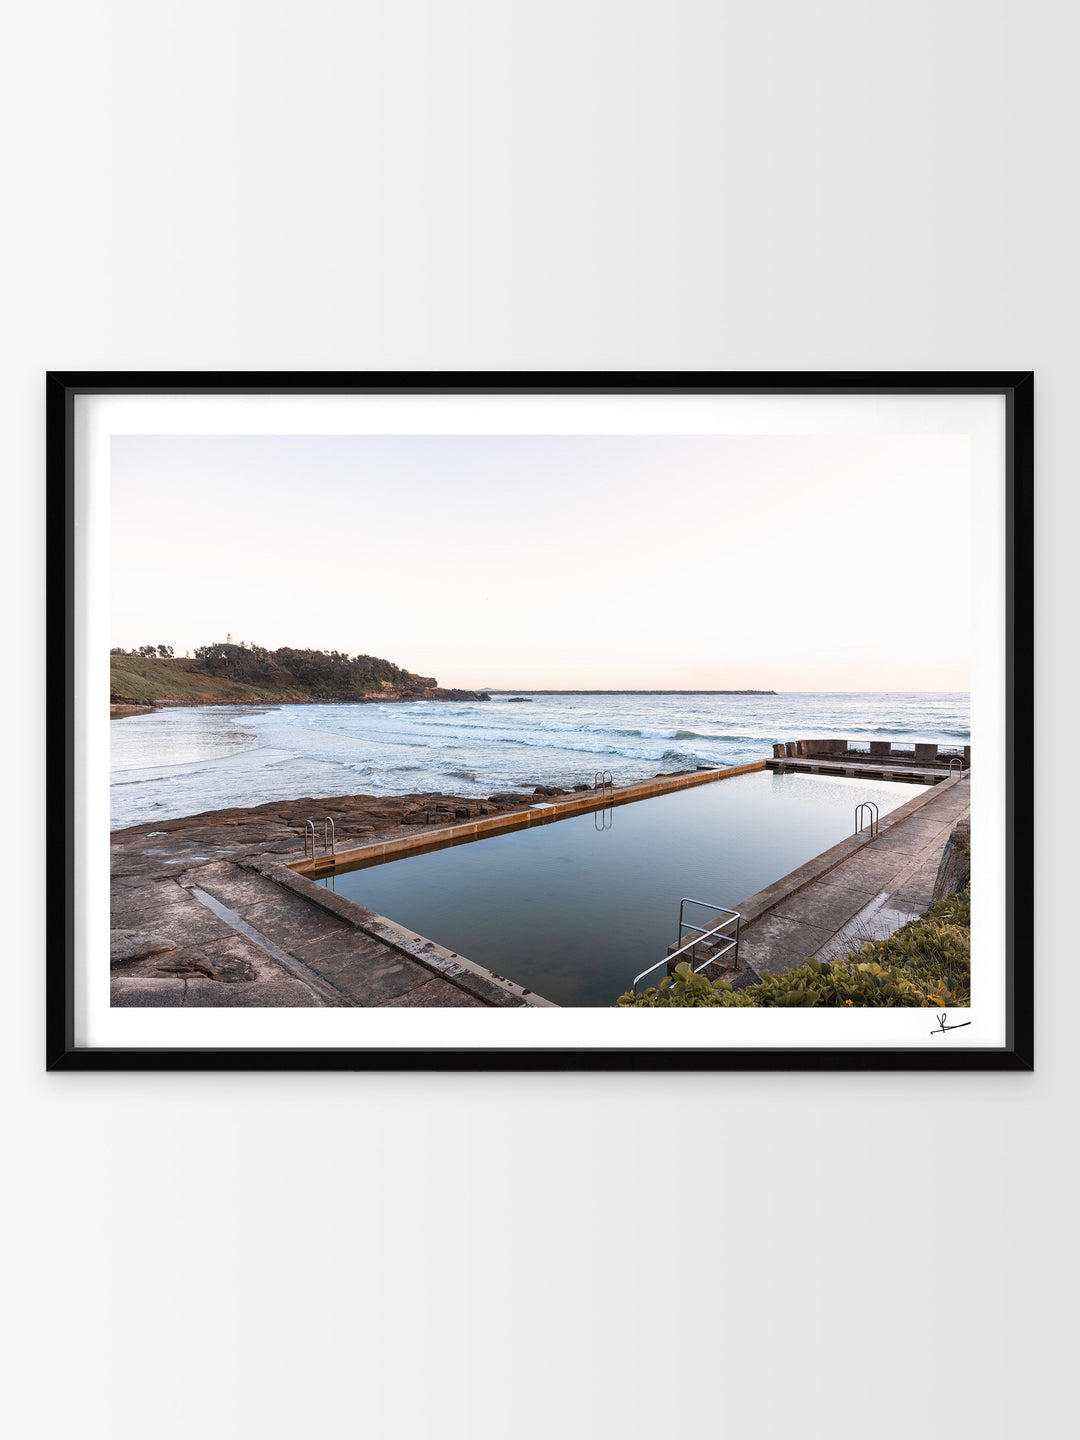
x=574, y=911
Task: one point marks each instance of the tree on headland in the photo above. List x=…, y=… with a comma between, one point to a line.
x=250, y=663
x=330, y=673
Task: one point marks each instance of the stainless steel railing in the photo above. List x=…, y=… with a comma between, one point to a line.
x=718, y=941
x=873, y=817
x=329, y=837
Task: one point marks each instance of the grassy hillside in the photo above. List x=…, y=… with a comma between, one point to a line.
x=224, y=674
x=137, y=677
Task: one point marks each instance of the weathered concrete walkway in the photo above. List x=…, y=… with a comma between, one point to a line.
x=237, y=924
x=205, y=913
x=856, y=891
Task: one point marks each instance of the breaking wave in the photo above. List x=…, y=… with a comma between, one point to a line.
x=185, y=760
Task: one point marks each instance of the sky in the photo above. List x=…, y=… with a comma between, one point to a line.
x=599, y=562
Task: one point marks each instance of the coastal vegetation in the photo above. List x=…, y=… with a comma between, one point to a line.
x=228, y=673
x=926, y=963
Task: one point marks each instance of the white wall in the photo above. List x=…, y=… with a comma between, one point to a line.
x=576, y=184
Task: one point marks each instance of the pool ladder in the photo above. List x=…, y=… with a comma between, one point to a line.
x=311, y=836
x=603, y=782
x=717, y=941
x=872, y=817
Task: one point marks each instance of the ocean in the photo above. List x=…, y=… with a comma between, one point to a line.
x=185, y=760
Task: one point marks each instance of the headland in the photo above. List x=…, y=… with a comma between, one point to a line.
x=228, y=674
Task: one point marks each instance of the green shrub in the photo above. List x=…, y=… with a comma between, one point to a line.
x=926, y=963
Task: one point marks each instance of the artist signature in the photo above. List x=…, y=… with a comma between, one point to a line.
x=942, y=1027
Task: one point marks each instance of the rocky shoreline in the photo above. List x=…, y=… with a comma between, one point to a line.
x=276, y=827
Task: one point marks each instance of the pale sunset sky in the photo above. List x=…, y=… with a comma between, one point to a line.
x=600, y=562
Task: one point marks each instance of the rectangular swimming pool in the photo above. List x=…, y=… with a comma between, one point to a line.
x=573, y=910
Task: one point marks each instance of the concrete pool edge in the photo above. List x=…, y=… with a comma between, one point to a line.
x=419, y=947
x=540, y=814
x=762, y=901
x=484, y=984
x=856, y=894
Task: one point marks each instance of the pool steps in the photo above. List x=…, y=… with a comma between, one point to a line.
x=715, y=942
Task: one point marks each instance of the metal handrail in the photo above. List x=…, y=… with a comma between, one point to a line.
x=731, y=941
x=329, y=837
x=956, y=760
x=874, y=817
x=602, y=780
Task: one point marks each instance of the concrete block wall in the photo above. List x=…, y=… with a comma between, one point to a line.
x=820, y=747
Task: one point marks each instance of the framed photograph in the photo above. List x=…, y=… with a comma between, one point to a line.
x=540, y=721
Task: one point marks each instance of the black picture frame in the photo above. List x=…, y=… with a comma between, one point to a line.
x=1016, y=387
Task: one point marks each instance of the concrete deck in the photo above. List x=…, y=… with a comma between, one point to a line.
x=859, y=890
x=198, y=922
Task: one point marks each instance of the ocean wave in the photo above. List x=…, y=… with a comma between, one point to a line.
x=917, y=732
x=603, y=748
x=642, y=757
x=479, y=749
x=142, y=779
x=539, y=732
x=723, y=739
x=885, y=729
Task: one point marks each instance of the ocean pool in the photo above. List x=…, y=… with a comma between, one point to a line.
x=573, y=910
